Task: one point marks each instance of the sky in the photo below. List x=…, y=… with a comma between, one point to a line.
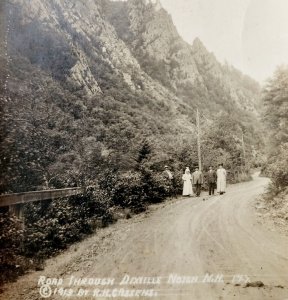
x=252, y=35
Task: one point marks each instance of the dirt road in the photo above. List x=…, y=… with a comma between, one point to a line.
x=191, y=240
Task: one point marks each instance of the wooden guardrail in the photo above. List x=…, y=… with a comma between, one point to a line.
x=15, y=201
x=21, y=198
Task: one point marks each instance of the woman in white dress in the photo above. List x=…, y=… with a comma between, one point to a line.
x=187, y=185
x=221, y=180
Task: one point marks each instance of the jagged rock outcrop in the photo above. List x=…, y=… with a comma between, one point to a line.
x=189, y=70
x=154, y=40
x=78, y=33
x=138, y=41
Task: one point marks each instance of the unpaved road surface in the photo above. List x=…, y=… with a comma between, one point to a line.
x=191, y=237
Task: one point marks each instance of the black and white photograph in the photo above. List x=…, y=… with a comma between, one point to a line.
x=144, y=149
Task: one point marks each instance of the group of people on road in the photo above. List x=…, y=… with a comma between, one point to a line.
x=192, y=183
x=196, y=179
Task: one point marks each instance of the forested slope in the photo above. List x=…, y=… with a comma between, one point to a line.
x=275, y=116
x=86, y=87
x=103, y=94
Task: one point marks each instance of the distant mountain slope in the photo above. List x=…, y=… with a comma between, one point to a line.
x=189, y=70
x=89, y=79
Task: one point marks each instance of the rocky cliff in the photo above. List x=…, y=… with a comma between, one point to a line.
x=191, y=71
x=78, y=41
x=86, y=80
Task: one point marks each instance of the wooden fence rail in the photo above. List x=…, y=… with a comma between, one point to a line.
x=21, y=198
x=15, y=201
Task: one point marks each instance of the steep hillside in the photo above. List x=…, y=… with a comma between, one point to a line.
x=89, y=80
x=190, y=71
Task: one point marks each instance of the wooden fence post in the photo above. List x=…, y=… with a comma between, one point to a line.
x=16, y=210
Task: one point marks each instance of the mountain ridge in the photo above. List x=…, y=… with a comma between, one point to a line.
x=166, y=57
x=90, y=79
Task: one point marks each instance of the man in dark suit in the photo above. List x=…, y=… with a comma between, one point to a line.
x=167, y=173
x=170, y=180
x=211, y=177
x=197, y=181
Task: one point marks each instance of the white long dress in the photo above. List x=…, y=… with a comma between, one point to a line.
x=187, y=186
x=221, y=180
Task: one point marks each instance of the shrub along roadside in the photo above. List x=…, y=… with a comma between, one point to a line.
x=51, y=226
x=135, y=189
x=12, y=263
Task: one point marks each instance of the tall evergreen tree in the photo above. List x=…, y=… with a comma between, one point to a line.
x=275, y=97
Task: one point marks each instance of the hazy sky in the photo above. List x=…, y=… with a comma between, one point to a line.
x=250, y=34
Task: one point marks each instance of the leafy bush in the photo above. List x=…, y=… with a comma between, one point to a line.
x=11, y=238
x=123, y=189
x=52, y=225
x=277, y=168
x=134, y=189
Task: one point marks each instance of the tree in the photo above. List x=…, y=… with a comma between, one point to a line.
x=275, y=98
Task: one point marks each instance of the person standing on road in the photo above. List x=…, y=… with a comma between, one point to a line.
x=187, y=185
x=197, y=180
x=221, y=180
x=167, y=173
x=170, y=181
x=211, y=180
